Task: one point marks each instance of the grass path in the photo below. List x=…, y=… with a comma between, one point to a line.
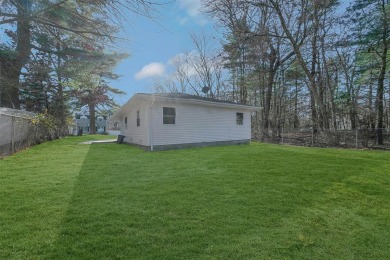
x=64, y=200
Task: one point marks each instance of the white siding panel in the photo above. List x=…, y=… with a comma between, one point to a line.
x=199, y=123
x=136, y=134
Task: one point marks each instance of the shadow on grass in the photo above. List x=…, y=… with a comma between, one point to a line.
x=96, y=222
x=35, y=189
x=210, y=203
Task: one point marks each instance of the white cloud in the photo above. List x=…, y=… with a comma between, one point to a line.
x=153, y=69
x=182, y=62
x=192, y=7
x=177, y=59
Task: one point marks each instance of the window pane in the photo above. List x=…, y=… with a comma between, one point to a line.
x=239, y=118
x=138, y=119
x=169, y=115
x=169, y=111
x=169, y=120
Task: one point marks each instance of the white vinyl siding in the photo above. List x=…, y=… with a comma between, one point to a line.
x=137, y=134
x=199, y=123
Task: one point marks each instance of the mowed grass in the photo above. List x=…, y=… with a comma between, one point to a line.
x=260, y=201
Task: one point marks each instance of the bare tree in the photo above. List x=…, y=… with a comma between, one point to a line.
x=197, y=71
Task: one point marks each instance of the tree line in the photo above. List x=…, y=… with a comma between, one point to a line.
x=306, y=63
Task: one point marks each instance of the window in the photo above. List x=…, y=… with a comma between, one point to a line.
x=240, y=118
x=169, y=115
x=125, y=122
x=138, y=119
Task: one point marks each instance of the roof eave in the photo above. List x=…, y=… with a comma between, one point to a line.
x=118, y=114
x=207, y=102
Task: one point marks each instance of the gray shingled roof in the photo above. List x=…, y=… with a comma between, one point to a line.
x=182, y=96
x=188, y=96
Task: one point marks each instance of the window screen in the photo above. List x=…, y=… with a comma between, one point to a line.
x=169, y=115
x=138, y=119
x=240, y=118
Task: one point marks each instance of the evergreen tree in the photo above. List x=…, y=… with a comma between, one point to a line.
x=371, y=26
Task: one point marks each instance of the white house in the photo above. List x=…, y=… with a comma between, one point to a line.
x=82, y=121
x=175, y=120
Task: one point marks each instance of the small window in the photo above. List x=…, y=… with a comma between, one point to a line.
x=240, y=118
x=125, y=122
x=169, y=115
x=138, y=119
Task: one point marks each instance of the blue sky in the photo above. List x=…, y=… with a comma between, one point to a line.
x=151, y=44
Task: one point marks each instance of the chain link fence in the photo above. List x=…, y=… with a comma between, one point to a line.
x=358, y=138
x=18, y=132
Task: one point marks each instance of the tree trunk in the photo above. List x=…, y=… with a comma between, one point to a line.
x=379, y=98
x=328, y=86
x=243, y=88
x=381, y=79
x=296, y=118
x=268, y=98
x=270, y=84
x=314, y=115
x=370, y=123
x=9, y=81
x=352, y=103
x=92, y=121
x=61, y=112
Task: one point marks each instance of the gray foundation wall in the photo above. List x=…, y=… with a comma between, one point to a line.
x=191, y=145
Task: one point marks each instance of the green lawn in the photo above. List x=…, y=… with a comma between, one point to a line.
x=65, y=200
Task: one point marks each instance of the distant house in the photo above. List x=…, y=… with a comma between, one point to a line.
x=168, y=121
x=82, y=122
